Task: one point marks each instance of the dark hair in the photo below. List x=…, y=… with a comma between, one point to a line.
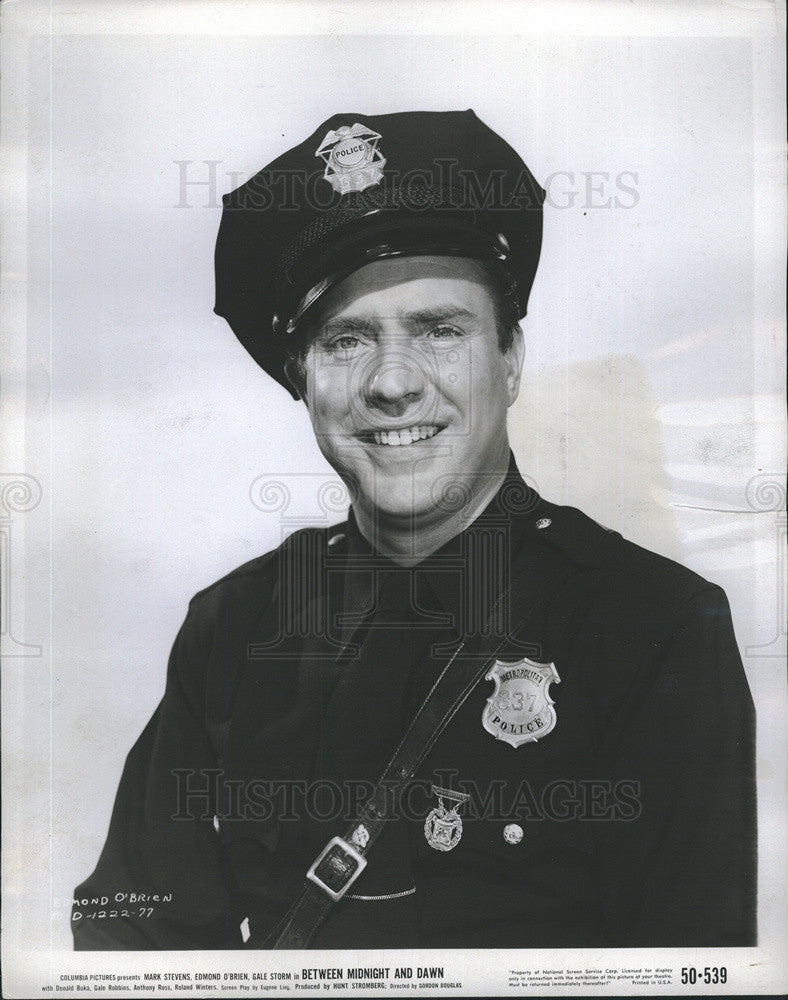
x=506, y=306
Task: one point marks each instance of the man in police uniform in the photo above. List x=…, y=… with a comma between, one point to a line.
x=466, y=717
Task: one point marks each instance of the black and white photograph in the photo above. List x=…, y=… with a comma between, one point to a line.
x=393, y=498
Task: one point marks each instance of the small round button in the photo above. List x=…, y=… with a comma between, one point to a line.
x=513, y=833
x=544, y=522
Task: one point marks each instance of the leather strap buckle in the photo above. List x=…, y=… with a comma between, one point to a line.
x=336, y=868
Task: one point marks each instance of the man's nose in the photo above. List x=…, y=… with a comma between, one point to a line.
x=395, y=379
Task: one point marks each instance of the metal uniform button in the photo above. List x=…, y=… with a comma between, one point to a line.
x=513, y=833
x=216, y=825
x=245, y=930
x=544, y=522
x=335, y=539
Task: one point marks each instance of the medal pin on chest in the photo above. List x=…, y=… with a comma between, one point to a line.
x=443, y=827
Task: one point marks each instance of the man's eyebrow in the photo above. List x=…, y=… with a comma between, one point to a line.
x=437, y=314
x=344, y=324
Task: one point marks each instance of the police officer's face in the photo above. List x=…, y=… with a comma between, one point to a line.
x=407, y=387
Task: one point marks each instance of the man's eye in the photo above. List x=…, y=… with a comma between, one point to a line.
x=343, y=344
x=444, y=332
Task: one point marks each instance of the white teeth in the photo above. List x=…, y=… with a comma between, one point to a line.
x=405, y=436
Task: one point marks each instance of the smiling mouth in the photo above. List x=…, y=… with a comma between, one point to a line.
x=404, y=436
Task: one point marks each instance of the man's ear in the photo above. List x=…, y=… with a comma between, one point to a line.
x=513, y=359
x=296, y=376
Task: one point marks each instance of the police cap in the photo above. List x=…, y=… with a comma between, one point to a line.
x=361, y=188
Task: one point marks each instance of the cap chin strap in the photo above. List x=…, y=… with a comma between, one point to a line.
x=343, y=859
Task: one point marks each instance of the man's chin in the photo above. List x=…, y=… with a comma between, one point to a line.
x=430, y=488
x=407, y=499
x=401, y=505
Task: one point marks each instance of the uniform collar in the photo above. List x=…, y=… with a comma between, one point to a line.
x=475, y=563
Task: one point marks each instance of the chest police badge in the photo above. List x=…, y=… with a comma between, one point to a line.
x=352, y=158
x=520, y=709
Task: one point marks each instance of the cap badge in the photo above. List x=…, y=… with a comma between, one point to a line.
x=520, y=709
x=353, y=160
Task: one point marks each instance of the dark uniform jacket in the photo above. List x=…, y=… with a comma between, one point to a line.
x=634, y=817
